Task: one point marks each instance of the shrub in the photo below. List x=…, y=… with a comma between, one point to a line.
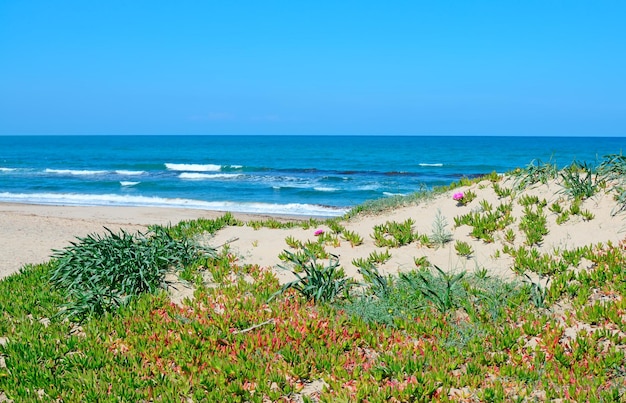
x=320, y=283
x=101, y=273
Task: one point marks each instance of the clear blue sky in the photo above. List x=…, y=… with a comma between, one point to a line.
x=437, y=67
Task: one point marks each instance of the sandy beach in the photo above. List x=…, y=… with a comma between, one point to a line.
x=31, y=232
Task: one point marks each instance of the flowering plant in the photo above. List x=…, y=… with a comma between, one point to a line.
x=319, y=232
x=464, y=198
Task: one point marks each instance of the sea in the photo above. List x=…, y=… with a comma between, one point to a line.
x=314, y=176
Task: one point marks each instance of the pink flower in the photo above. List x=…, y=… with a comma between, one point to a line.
x=458, y=196
x=319, y=232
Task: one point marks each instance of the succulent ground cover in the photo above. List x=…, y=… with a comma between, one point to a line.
x=556, y=331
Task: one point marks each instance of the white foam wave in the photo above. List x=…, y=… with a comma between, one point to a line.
x=368, y=187
x=73, y=171
x=236, y=166
x=424, y=164
x=129, y=183
x=325, y=189
x=193, y=167
x=198, y=176
x=129, y=173
x=390, y=194
x=71, y=199
x=2, y=169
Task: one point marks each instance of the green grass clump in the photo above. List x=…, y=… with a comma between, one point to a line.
x=102, y=273
x=535, y=172
x=580, y=180
x=315, y=281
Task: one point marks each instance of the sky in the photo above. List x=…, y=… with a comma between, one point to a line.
x=437, y=67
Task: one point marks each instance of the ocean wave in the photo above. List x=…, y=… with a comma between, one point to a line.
x=425, y=164
x=71, y=199
x=390, y=194
x=129, y=173
x=79, y=172
x=198, y=176
x=3, y=169
x=368, y=187
x=193, y=167
x=129, y=183
x=325, y=189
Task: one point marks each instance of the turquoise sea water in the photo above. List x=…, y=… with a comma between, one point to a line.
x=301, y=175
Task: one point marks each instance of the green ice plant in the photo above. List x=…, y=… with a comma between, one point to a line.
x=534, y=225
x=293, y=242
x=502, y=192
x=463, y=249
x=394, y=234
x=374, y=257
x=352, y=237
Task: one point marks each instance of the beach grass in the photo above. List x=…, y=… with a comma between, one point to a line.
x=428, y=334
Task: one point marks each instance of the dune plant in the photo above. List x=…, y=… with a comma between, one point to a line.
x=563, y=217
x=613, y=167
x=380, y=285
x=538, y=291
x=100, y=273
x=352, y=237
x=535, y=172
x=191, y=228
x=442, y=290
x=440, y=234
x=293, y=242
x=394, y=234
x=580, y=180
x=485, y=224
x=335, y=226
x=556, y=207
x=532, y=260
x=534, y=225
x=422, y=262
x=320, y=282
x=620, y=198
x=464, y=198
x=463, y=249
x=502, y=191
x=374, y=257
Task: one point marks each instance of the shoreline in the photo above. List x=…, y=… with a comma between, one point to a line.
x=30, y=232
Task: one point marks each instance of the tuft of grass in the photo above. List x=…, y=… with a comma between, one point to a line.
x=535, y=172
x=100, y=273
x=580, y=180
x=319, y=282
x=442, y=290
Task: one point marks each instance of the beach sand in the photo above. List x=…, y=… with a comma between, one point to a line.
x=31, y=232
